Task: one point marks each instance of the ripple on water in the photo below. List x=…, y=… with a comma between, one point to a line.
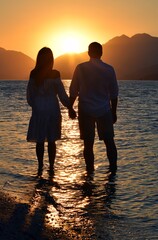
x=87, y=207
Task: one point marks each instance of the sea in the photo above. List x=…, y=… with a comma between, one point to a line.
x=97, y=206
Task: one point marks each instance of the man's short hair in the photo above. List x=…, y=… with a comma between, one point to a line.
x=95, y=49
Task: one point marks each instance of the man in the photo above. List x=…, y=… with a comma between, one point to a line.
x=94, y=82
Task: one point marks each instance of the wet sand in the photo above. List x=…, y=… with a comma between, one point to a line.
x=25, y=220
x=15, y=223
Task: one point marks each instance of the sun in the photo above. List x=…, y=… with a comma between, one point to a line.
x=70, y=42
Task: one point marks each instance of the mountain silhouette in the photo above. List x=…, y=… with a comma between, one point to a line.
x=14, y=65
x=133, y=58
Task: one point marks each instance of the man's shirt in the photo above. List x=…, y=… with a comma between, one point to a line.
x=94, y=82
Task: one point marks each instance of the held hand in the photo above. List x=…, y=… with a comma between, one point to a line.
x=72, y=113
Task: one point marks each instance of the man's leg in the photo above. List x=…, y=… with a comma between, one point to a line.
x=87, y=134
x=51, y=155
x=111, y=154
x=40, y=155
x=89, y=155
x=106, y=132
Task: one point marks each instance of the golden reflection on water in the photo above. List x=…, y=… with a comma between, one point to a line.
x=74, y=205
x=72, y=201
x=52, y=218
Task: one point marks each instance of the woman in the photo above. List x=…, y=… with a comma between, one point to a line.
x=44, y=88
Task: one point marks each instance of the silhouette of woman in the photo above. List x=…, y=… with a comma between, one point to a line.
x=44, y=88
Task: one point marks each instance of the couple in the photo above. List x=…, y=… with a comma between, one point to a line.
x=94, y=82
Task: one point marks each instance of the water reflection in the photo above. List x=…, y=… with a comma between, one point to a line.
x=73, y=203
x=87, y=202
x=72, y=207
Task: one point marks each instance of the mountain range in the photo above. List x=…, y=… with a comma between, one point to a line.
x=133, y=57
x=14, y=65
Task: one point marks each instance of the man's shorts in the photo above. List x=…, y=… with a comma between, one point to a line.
x=104, y=125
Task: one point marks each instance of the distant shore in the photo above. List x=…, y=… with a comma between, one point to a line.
x=70, y=79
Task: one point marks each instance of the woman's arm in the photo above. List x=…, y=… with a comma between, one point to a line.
x=30, y=92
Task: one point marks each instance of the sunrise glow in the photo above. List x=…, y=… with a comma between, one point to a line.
x=69, y=26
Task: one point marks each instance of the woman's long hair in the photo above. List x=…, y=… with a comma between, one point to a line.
x=44, y=65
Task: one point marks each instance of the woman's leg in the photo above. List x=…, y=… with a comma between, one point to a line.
x=51, y=155
x=40, y=155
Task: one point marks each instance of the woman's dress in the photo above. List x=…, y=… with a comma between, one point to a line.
x=45, y=122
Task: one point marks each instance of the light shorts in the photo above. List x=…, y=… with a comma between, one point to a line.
x=104, y=125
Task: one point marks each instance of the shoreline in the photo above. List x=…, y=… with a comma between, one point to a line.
x=17, y=223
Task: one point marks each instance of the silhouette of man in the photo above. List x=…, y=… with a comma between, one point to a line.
x=94, y=83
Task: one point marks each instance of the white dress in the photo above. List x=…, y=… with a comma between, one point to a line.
x=45, y=122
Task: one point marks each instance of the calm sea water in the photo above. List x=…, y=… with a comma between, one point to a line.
x=87, y=207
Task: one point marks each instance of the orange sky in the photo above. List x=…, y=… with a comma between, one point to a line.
x=69, y=25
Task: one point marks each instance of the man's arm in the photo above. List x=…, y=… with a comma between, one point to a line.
x=114, y=95
x=114, y=108
x=74, y=89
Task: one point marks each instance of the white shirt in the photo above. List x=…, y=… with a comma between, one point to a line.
x=94, y=82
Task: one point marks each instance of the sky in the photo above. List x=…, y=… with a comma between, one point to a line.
x=70, y=25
